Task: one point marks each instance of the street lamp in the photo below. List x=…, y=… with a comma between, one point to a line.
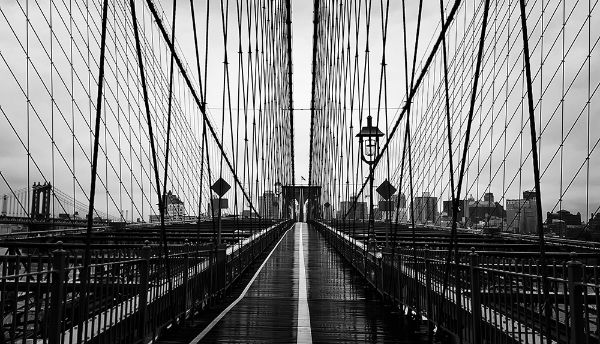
x=277, y=193
x=368, y=139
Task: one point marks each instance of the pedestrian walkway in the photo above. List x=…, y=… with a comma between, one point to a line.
x=304, y=292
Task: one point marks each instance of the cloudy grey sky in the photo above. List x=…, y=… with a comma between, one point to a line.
x=569, y=117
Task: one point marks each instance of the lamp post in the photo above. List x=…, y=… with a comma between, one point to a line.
x=277, y=193
x=368, y=139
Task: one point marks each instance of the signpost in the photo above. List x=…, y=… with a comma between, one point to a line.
x=386, y=190
x=220, y=187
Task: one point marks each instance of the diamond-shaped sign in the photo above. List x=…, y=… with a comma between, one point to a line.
x=386, y=190
x=327, y=205
x=220, y=187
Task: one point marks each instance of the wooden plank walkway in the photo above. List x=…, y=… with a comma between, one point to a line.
x=303, y=292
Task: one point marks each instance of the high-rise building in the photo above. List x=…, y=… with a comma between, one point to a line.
x=521, y=214
x=426, y=209
x=268, y=207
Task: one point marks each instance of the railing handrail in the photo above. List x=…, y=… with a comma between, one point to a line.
x=123, y=289
x=485, y=298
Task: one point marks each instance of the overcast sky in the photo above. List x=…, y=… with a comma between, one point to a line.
x=569, y=117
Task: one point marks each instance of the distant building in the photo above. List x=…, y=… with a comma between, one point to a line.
x=565, y=216
x=174, y=209
x=556, y=226
x=463, y=210
x=328, y=212
x=4, y=205
x=356, y=211
x=594, y=222
x=400, y=212
x=426, y=209
x=521, y=214
x=401, y=199
x=248, y=213
x=268, y=207
x=484, y=211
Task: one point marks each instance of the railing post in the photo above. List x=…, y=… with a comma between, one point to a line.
x=143, y=291
x=186, y=268
x=387, y=276
x=475, y=297
x=458, y=305
x=428, y=305
x=378, y=271
x=221, y=267
x=59, y=263
x=212, y=273
x=400, y=279
x=575, y=285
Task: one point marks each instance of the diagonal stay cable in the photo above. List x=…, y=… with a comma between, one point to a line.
x=152, y=146
x=199, y=102
x=456, y=192
x=162, y=198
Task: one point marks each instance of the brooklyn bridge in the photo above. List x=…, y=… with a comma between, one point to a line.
x=257, y=171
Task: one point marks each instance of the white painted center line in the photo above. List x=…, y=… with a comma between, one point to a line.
x=304, y=334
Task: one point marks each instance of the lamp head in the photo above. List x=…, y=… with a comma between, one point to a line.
x=369, y=141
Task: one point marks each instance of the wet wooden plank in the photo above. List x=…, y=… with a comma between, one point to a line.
x=267, y=313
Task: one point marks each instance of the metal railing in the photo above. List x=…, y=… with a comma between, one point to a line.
x=126, y=298
x=488, y=298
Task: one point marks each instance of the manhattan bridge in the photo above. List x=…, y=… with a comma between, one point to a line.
x=286, y=171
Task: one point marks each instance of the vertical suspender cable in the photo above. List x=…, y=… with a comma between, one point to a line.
x=288, y=22
x=197, y=100
x=536, y=169
x=452, y=195
x=471, y=110
x=313, y=88
x=203, y=146
x=87, y=254
x=169, y=112
x=162, y=198
x=413, y=90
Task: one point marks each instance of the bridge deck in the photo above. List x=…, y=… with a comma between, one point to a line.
x=319, y=298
